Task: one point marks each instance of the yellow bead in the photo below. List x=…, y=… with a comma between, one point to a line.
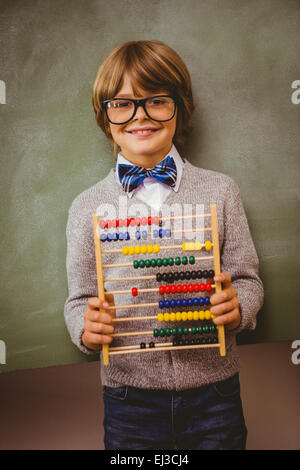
x=196, y=315
x=144, y=249
x=131, y=250
x=149, y=248
x=137, y=250
x=160, y=317
x=125, y=250
x=156, y=248
x=184, y=316
x=213, y=316
x=198, y=246
x=191, y=246
x=172, y=316
x=208, y=245
x=166, y=317
x=178, y=316
x=190, y=315
x=184, y=246
x=201, y=315
x=207, y=314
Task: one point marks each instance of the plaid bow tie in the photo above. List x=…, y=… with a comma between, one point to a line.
x=131, y=176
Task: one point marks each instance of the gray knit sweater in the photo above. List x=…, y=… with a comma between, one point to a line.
x=171, y=370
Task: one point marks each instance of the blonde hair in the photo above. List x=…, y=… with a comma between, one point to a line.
x=150, y=65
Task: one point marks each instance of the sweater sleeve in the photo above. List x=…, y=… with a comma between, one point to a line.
x=239, y=258
x=81, y=272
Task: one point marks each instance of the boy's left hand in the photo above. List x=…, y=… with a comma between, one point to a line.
x=226, y=304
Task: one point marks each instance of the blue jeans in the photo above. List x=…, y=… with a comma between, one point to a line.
x=204, y=418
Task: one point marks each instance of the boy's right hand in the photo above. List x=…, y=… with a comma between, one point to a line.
x=98, y=325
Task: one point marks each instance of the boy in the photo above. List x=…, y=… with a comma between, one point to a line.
x=143, y=102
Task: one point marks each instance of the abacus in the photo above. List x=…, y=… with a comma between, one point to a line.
x=203, y=335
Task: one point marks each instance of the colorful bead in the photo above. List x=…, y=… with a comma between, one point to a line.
x=207, y=315
x=198, y=246
x=142, y=263
x=155, y=332
x=135, y=264
x=160, y=317
x=134, y=291
x=166, y=317
x=208, y=245
x=153, y=262
x=184, y=260
x=137, y=234
x=172, y=316
x=177, y=261
x=125, y=250
x=192, y=259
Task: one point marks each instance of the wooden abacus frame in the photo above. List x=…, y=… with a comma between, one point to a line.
x=106, y=349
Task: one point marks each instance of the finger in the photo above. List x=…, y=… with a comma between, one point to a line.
x=94, y=338
x=110, y=298
x=224, y=307
x=95, y=327
x=227, y=318
x=223, y=296
x=225, y=278
x=95, y=302
x=96, y=316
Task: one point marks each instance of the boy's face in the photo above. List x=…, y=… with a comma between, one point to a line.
x=148, y=149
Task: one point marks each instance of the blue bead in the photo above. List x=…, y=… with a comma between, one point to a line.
x=184, y=302
x=172, y=303
x=115, y=236
x=201, y=301
x=155, y=233
x=109, y=237
x=196, y=301
x=167, y=303
x=137, y=235
x=167, y=232
x=161, y=304
x=178, y=303
x=127, y=236
x=207, y=300
x=144, y=234
x=190, y=302
x=161, y=232
x=103, y=237
x=121, y=236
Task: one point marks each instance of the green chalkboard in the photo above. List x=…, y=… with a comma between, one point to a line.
x=243, y=58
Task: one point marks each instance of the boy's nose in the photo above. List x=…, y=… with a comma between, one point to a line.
x=140, y=112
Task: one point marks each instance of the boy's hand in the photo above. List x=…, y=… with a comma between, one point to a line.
x=97, y=325
x=225, y=304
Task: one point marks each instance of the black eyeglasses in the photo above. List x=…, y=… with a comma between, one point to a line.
x=159, y=108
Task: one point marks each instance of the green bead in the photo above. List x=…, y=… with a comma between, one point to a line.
x=141, y=263
x=174, y=331
x=185, y=330
x=135, y=264
x=171, y=261
x=194, y=330
x=177, y=261
x=200, y=329
x=165, y=261
x=153, y=262
x=147, y=263
x=162, y=332
x=180, y=331
x=206, y=329
x=155, y=332
x=184, y=260
x=159, y=262
x=168, y=332
x=192, y=259
x=213, y=328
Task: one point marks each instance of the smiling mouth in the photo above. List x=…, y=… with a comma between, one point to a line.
x=145, y=132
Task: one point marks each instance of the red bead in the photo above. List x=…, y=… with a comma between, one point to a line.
x=138, y=221
x=117, y=222
x=208, y=286
x=149, y=221
x=108, y=223
x=190, y=287
x=134, y=291
x=102, y=223
x=114, y=223
x=184, y=288
x=132, y=221
x=161, y=289
x=144, y=221
x=178, y=288
x=167, y=289
x=173, y=289
x=127, y=222
x=202, y=287
x=155, y=219
x=196, y=287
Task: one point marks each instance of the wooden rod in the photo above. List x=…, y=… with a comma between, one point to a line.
x=166, y=247
x=133, y=333
x=101, y=292
x=218, y=285
x=152, y=289
x=114, y=352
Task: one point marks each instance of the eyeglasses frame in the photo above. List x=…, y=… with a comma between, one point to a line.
x=137, y=103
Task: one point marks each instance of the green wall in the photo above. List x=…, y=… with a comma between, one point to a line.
x=243, y=57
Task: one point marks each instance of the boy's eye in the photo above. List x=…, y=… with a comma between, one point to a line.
x=117, y=104
x=157, y=101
